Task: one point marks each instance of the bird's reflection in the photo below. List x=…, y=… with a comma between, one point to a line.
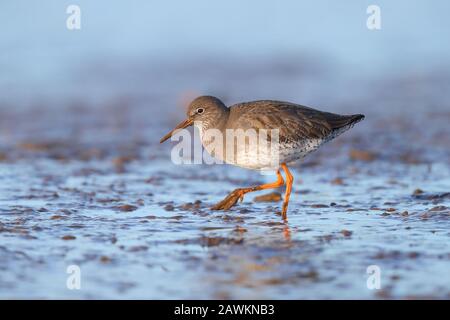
x=287, y=232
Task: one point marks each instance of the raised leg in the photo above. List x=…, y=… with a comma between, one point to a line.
x=287, y=195
x=237, y=194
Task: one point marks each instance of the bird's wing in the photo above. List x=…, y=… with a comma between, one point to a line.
x=294, y=122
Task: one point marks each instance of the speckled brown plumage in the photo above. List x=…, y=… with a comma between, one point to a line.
x=295, y=122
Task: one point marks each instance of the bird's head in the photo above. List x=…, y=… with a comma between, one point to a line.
x=205, y=110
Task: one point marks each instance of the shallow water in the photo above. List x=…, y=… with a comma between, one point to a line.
x=87, y=184
x=170, y=246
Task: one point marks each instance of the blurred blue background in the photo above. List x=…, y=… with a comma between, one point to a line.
x=40, y=57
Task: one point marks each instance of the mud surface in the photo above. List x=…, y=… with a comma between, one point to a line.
x=85, y=182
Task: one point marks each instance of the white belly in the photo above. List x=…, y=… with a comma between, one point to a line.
x=259, y=155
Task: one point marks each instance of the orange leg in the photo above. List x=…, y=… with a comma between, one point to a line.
x=237, y=194
x=287, y=195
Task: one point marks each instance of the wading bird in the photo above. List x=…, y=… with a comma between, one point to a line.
x=300, y=129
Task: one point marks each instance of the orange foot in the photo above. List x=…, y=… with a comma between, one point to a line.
x=238, y=194
x=230, y=200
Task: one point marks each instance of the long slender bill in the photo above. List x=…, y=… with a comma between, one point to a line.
x=186, y=123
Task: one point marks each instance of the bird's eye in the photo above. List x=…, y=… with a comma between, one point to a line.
x=200, y=110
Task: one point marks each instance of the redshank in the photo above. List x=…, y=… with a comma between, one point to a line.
x=300, y=131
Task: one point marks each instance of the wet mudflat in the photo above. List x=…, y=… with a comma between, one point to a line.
x=87, y=184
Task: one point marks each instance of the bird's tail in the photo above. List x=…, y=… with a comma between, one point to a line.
x=346, y=121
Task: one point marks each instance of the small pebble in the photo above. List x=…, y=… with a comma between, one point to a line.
x=438, y=208
x=346, y=233
x=169, y=207
x=127, y=208
x=337, y=181
x=270, y=197
x=105, y=259
x=319, y=205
